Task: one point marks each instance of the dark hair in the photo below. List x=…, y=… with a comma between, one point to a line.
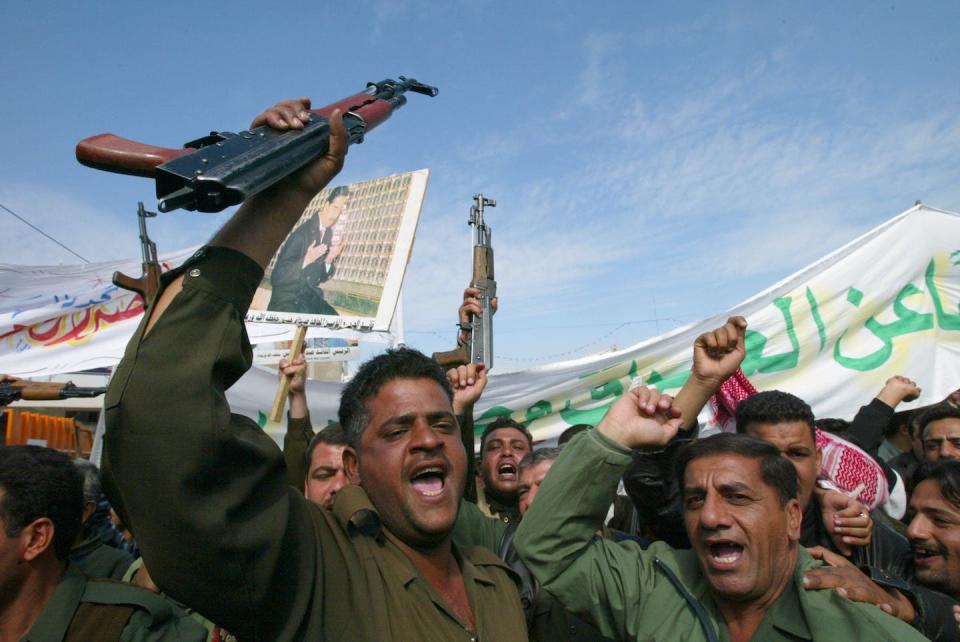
x=775, y=470
x=572, y=432
x=339, y=190
x=935, y=413
x=332, y=434
x=401, y=363
x=897, y=420
x=41, y=482
x=773, y=407
x=503, y=422
x=947, y=475
x=833, y=425
x=534, y=457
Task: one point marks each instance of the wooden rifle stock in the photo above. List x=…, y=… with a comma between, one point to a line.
x=453, y=358
x=148, y=284
x=43, y=391
x=112, y=153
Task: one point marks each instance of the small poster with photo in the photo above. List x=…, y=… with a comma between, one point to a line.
x=342, y=265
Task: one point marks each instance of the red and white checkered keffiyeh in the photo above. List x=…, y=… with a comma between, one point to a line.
x=845, y=466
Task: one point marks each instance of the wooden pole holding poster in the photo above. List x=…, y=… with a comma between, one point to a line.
x=296, y=347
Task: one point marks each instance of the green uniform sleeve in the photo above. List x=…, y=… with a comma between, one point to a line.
x=558, y=541
x=206, y=491
x=473, y=528
x=295, y=443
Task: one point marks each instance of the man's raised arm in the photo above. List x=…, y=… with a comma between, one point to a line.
x=204, y=490
x=592, y=575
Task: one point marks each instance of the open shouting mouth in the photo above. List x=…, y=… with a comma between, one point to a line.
x=429, y=479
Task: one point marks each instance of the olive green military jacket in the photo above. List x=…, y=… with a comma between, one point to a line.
x=659, y=593
x=220, y=529
x=97, y=559
x=80, y=606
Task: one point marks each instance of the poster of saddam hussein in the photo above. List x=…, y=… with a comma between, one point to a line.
x=342, y=265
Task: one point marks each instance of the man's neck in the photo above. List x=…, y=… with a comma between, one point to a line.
x=21, y=610
x=744, y=618
x=501, y=503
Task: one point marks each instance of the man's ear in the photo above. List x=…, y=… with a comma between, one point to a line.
x=351, y=465
x=36, y=537
x=794, y=519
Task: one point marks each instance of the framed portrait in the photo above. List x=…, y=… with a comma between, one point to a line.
x=342, y=265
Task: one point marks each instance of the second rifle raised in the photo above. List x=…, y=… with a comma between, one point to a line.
x=479, y=347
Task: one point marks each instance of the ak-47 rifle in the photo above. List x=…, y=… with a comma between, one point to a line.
x=224, y=169
x=17, y=389
x=148, y=284
x=479, y=347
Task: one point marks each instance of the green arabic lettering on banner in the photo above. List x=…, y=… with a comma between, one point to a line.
x=539, y=410
x=908, y=321
x=662, y=383
x=755, y=342
x=592, y=416
x=489, y=416
x=815, y=312
x=946, y=320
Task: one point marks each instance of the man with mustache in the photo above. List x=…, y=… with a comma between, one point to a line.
x=932, y=567
x=207, y=494
x=934, y=531
x=503, y=444
x=743, y=578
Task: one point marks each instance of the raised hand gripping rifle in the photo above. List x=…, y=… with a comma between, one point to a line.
x=223, y=169
x=17, y=389
x=148, y=284
x=479, y=347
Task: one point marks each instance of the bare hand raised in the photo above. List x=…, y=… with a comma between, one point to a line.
x=468, y=382
x=471, y=307
x=897, y=389
x=717, y=354
x=641, y=418
x=295, y=114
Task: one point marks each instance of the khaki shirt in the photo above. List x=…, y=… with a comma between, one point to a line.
x=221, y=530
x=153, y=619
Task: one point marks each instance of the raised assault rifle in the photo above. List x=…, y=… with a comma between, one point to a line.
x=224, y=169
x=148, y=284
x=479, y=348
x=17, y=389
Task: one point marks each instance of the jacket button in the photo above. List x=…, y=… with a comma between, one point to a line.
x=194, y=272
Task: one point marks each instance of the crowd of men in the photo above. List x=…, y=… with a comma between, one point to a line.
x=387, y=526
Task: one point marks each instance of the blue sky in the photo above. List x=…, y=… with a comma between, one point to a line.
x=653, y=163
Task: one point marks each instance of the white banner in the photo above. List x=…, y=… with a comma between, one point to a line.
x=833, y=333
x=887, y=303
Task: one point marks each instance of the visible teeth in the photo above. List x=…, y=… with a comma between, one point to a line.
x=429, y=481
x=726, y=559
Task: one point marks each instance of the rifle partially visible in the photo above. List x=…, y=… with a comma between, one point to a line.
x=17, y=389
x=223, y=169
x=479, y=347
x=148, y=284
